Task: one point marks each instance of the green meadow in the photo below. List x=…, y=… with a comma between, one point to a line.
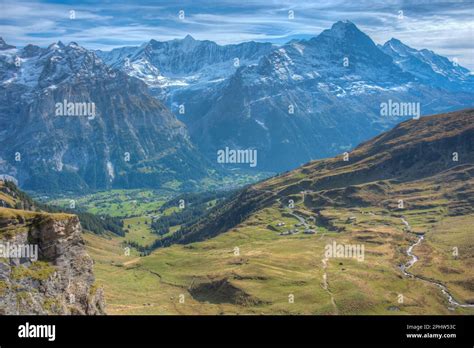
x=252, y=269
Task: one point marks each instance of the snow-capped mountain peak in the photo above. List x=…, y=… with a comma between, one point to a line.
x=188, y=38
x=399, y=47
x=170, y=65
x=342, y=28
x=428, y=66
x=34, y=67
x=4, y=45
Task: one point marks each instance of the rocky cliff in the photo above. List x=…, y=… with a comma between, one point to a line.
x=44, y=266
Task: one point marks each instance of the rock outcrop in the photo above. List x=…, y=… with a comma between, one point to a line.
x=58, y=279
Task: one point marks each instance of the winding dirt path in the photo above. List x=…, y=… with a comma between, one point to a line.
x=326, y=285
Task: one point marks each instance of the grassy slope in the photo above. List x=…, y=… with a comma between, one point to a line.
x=14, y=220
x=271, y=267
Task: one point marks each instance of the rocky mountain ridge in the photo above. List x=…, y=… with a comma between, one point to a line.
x=70, y=122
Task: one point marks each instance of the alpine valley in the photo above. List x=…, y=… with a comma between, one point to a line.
x=400, y=202
x=329, y=175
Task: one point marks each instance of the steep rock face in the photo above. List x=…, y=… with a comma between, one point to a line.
x=178, y=70
x=61, y=281
x=180, y=58
x=117, y=134
x=190, y=55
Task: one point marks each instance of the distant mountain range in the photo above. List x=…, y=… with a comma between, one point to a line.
x=304, y=100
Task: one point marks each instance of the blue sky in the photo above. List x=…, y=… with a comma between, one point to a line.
x=447, y=27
